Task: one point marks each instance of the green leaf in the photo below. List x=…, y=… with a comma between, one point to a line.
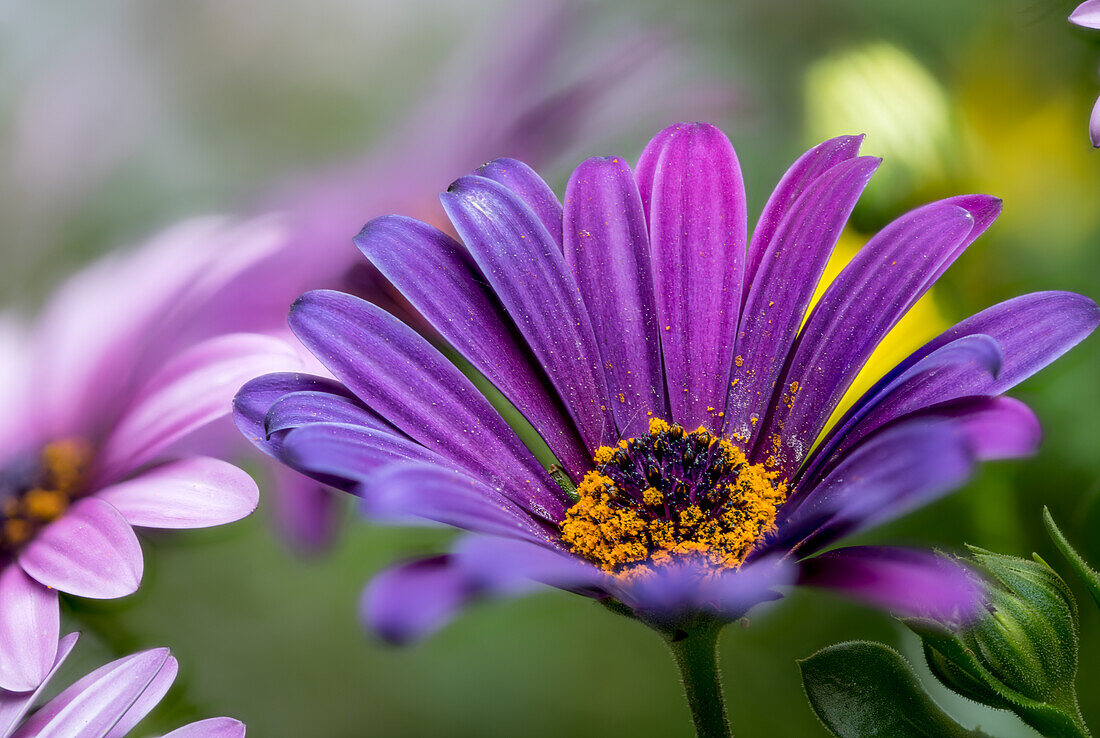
x=1084, y=572
x=861, y=689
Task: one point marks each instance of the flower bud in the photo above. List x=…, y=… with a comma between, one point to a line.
x=1020, y=653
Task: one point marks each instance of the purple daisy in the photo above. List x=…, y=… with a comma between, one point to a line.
x=680, y=467
x=109, y=702
x=1087, y=15
x=103, y=398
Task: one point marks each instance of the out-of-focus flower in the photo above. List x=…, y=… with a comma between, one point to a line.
x=537, y=93
x=1021, y=653
x=885, y=91
x=109, y=701
x=1087, y=14
x=618, y=324
x=100, y=396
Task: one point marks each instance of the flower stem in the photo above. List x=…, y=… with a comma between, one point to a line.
x=696, y=653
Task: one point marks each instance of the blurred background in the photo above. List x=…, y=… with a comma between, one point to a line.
x=118, y=118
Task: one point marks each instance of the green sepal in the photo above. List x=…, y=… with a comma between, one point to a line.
x=1088, y=576
x=861, y=689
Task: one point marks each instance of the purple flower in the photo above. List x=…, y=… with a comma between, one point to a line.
x=1087, y=14
x=109, y=701
x=682, y=467
x=103, y=398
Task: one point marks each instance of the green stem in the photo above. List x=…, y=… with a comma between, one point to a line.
x=696, y=653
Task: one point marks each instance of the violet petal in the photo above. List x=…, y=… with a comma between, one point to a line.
x=29, y=626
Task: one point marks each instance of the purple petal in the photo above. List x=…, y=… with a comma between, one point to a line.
x=530, y=188
x=607, y=247
x=801, y=175
x=404, y=492
x=15, y=705
x=149, y=698
x=256, y=397
x=528, y=274
x=1032, y=330
x=303, y=408
x=306, y=514
x=697, y=229
x=414, y=600
x=95, y=703
x=686, y=588
x=996, y=427
x=901, y=468
x=510, y=567
x=29, y=626
x=195, y=388
x=90, y=551
x=408, y=382
x=857, y=310
x=1094, y=125
x=439, y=279
x=782, y=288
x=219, y=727
x=199, y=492
x=346, y=455
x=1087, y=14
x=966, y=366
x=900, y=580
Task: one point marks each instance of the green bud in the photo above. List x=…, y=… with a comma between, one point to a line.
x=1020, y=654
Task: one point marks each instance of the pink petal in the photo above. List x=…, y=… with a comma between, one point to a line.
x=191, y=493
x=29, y=625
x=193, y=389
x=93, y=705
x=90, y=551
x=219, y=727
x=15, y=705
x=1087, y=14
x=149, y=698
x=1094, y=125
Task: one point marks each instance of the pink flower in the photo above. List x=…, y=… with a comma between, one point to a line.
x=98, y=397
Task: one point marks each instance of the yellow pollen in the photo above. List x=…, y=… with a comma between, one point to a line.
x=45, y=504
x=628, y=520
x=15, y=531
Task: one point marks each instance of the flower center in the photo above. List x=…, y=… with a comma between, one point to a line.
x=670, y=493
x=37, y=490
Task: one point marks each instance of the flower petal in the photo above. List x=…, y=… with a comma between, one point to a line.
x=440, y=280
x=199, y=492
x=1094, y=125
x=255, y=398
x=149, y=698
x=413, y=600
x=193, y=389
x=90, y=551
x=528, y=274
x=996, y=427
x=306, y=513
x=910, y=582
x=801, y=175
x=507, y=567
x=607, y=248
x=697, y=233
x=401, y=492
x=1032, y=330
x=782, y=288
x=346, y=455
x=303, y=408
x=219, y=727
x=901, y=468
x=857, y=310
x=530, y=188
x=29, y=627
x=95, y=703
x=404, y=379
x=967, y=366
x=1087, y=14
x=15, y=705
